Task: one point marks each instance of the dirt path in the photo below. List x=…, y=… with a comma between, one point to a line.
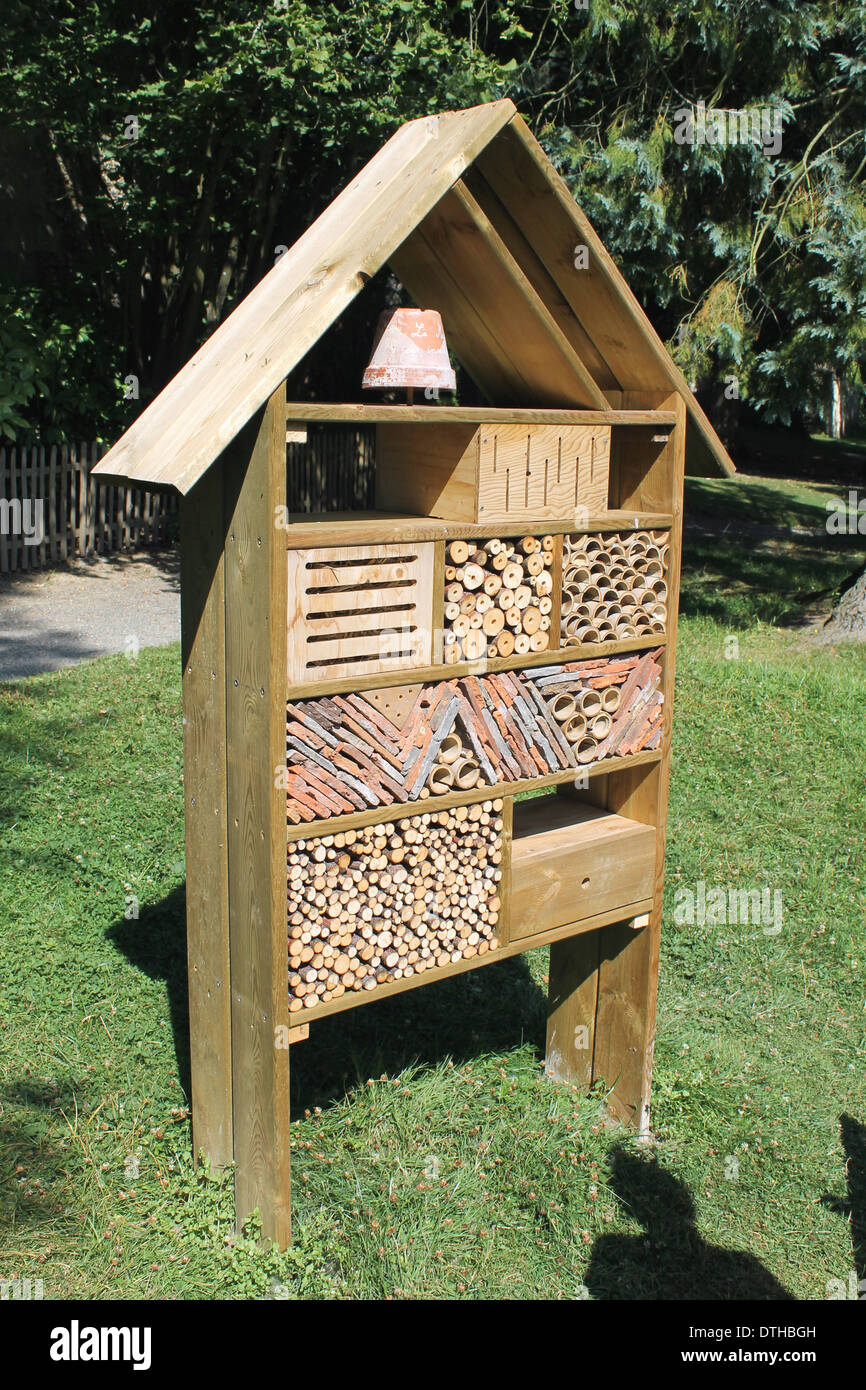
x=54, y=618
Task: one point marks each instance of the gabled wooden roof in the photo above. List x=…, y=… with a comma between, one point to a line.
x=494, y=251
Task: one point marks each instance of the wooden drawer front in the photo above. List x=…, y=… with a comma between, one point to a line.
x=546, y=471
x=575, y=862
x=356, y=610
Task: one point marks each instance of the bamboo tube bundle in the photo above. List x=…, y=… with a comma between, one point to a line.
x=441, y=779
x=369, y=906
x=563, y=707
x=493, y=597
x=575, y=728
x=625, y=575
x=618, y=703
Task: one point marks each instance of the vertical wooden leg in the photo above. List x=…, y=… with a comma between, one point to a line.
x=628, y=972
x=571, y=1009
x=256, y=605
x=204, y=786
x=625, y=1019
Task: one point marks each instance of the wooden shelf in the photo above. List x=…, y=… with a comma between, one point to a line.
x=335, y=413
x=570, y=860
x=375, y=528
x=398, y=809
x=413, y=675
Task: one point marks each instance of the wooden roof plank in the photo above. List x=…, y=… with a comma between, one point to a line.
x=364, y=414
x=544, y=285
x=177, y=437
x=538, y=199
x=522, y=344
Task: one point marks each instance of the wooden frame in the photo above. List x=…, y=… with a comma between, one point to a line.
x=236, y=598
x=474, y=220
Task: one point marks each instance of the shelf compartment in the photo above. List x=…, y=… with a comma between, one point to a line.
x=614, y=586
x=347, y=754
x=371, y=907
x=571, y=861
x=493, y=472
x=501, y=598
x=359, y=611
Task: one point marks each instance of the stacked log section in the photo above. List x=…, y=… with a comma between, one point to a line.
x=498, y=597
x=344, y=755
x=614, y=587
x=385, y=902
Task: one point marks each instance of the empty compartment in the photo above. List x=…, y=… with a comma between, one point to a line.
x=570, y=861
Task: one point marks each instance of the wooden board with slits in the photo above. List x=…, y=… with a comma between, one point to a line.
x=359, y=610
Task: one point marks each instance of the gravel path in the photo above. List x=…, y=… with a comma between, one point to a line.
x=54, y=618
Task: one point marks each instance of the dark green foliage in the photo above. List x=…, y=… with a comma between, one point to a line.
x=250, y=118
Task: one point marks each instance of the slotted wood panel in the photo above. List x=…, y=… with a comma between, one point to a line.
x=493, y=473
x=359, y=610
x=545, y=472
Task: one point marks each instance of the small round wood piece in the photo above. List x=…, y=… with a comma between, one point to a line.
x=512, y=575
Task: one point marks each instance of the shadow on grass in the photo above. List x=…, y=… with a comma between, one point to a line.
x=672, y=1260
x=853, y=1205
x=743, y=564
x=737, y=582
x=492, y=1009
x=155, y=944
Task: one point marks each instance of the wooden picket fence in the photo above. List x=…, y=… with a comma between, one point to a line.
x=79, y=516
x=333, y=471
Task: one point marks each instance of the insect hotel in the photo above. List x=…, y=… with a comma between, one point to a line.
x=367, y=696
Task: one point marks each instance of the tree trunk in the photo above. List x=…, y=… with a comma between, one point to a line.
x=848, y=619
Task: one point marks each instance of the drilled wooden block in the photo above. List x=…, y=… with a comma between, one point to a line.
x=496, y=473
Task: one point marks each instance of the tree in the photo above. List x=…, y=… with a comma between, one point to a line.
x=161, y=156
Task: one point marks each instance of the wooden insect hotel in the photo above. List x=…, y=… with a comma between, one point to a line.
x=367, y=695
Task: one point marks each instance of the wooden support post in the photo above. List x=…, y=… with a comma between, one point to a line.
x=256, y=607
x=571, y=1009
x=628, y=974
x=204, y=785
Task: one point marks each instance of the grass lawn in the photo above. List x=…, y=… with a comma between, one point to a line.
x=431, y=1158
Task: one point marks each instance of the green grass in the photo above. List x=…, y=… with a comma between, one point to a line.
x=759, y=567
x=430, y=1156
